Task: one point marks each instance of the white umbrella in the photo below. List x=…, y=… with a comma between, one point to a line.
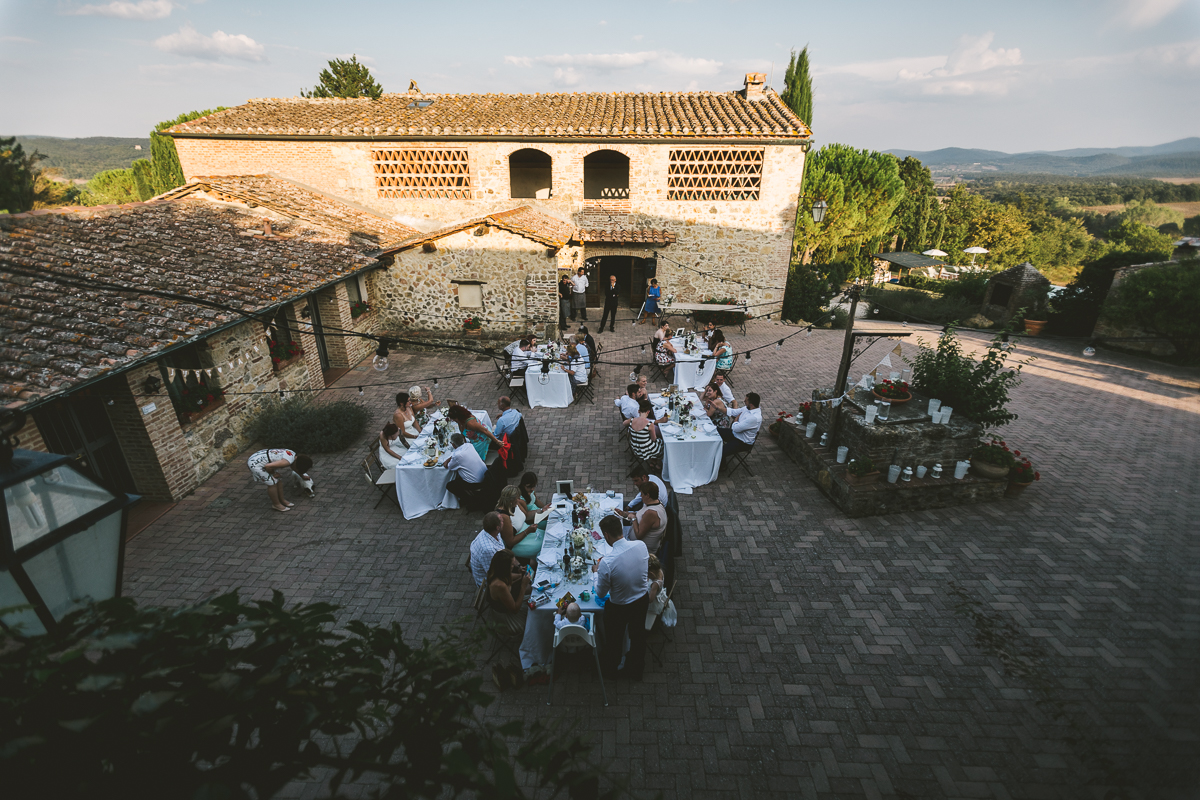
x=935, y=253
x=974, y=251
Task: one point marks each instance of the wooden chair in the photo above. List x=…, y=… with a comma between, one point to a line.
x=384, y=480
x=726, y=372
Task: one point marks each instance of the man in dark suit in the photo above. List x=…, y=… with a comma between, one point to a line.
x=611, y=293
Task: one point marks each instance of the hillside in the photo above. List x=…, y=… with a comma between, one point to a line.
x=83, y=158
x=1178, y=159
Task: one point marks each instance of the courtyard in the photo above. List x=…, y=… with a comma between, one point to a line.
x=1043, y=647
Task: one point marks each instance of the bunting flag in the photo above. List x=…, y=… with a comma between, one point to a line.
x=885, y=361
x=170, y=373
x=256, y=348
x=220, y=370
x=898, y=350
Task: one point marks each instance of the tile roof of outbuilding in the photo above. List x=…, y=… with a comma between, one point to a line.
x=682, y=116
x=299, y=202
x=627, y=236
x=523, y=221
x=56, y=334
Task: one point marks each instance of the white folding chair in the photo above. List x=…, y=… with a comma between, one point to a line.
x=585, y=633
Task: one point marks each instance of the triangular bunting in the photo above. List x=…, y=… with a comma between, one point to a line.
x=897, y=349
x=170, y=373
x=886, y=360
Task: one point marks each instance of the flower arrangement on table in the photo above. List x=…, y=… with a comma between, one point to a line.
x=472, y=324
x=1022, y=470
x=776, y=427
x=283, y=351
x=894, y=391
x=580, y=538
x=358, y=308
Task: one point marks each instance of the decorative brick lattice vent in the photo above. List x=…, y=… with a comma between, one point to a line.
x=422, y=173
x=733, y=174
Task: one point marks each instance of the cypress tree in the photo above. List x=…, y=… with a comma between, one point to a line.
x=797, y=86
x=165, y=170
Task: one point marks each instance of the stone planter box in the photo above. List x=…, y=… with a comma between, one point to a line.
x=282, y=365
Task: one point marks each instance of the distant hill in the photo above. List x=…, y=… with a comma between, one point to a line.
x=1178, y=159
x=83, y=158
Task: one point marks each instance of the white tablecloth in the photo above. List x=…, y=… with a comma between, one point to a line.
x=694, y=460
x=420, y=489
x=688, y=374
x=539, y=626
x=555, y=393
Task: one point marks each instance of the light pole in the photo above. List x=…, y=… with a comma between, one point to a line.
x=62, y=535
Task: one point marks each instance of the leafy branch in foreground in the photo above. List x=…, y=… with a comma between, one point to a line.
x=230, y=699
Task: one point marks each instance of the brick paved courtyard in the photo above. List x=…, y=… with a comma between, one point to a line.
x=816, y=655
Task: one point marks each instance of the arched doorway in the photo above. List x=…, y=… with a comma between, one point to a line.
x=606, y=176
x=529, y=175
x=630, y=272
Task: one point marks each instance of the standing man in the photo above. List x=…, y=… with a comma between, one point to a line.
x=564, y=300
x=579, y=285
x=622, y=575
x=611, y=293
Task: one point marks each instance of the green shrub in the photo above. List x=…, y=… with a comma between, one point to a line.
x=977, y=390
x=838, y=319
x=310, y=427
x=913, y=304
x=1161, y=300
x=969, y=288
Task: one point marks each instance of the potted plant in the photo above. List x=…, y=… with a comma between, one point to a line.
x=806, y=412
x=1036, y=314
x=992, y=460
x=358, y=308
x=283, y=353
x=776, y=427
x=861, y=471
x=472, y=326
x=892, y=391
x=1020, y=476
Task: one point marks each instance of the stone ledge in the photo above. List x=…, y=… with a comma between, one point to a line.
x=820, y=465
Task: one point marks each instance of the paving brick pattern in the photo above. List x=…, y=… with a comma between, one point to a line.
x=817, y=655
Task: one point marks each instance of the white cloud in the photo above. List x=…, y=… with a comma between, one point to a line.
x=18, y=40
x=1144, y=13
x=189, y=42
x=974, y=54
x=570, y=63
x=972, y=67
x=123, y=9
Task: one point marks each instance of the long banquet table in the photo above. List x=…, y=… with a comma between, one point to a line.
x=422, y=489
x=692, y=456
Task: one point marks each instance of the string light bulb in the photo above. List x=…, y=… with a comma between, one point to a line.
x=360, y=391
x=779, y=344
x=808, y=331
x=380, y=362
x=110, y=402
x=1089, y=351
x=435, y=383
x=748, y=352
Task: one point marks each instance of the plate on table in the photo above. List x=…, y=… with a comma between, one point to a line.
x=430, y=463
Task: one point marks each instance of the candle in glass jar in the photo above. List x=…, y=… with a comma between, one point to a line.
x=842, y=452
x=934, y=405
x=893, y=473
x=872, y=411
x=810, y=430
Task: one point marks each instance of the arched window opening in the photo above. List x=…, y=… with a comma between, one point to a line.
x=606, y=176
x=529, y=175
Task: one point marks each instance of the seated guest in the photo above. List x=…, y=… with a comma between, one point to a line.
x=714, y=406
x=722, y=351
x=588, y=342
x=664, y=351
x=664, y=331
x=522, y=358
x=577, y=363
x=723, y=387
x=508, y=420
x=746, y=422
x=527, y=501
x=519, y=344
x=405, y=419
x=628, y=402
x=622, y=575
x=643, y=387
x=507, y=587
x=389, y=444
x=643, y=436
x=465, y=459
x=658, y=595
x=567, y=615
x=514, y=527
x=648, y=523
x=415, y=401
x=640, y=478
x=487, y=543
x=474, y=430
x=707, y=333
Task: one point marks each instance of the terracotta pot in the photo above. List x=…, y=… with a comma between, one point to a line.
x=990, y=471
x=893, y=400
x=476, y=333
x=1014, y=490
x=1034, y=327
x=862, y=480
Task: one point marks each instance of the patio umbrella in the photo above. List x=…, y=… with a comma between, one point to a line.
x=935, y=253
x=974, y=251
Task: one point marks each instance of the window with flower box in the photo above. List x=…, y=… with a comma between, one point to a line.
x=356, y=293
x=191, y=381
x=280, y=344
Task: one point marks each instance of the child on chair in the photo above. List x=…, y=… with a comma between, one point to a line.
x=568, y=614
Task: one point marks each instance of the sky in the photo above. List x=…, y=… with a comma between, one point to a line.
x=917, y=75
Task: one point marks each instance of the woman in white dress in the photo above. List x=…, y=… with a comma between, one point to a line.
x=405, y=418
x=390, y=445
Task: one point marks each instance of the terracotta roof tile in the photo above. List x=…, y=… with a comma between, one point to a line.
x=642, y=115
x=523, y=221
x=54, y=336
x=627, y=236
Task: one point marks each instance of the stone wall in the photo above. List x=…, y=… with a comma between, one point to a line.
x=418, y=291
x=742, y=240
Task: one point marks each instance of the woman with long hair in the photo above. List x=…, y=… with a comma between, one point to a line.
x=473, y=430
x=390, y=441
x=507, y=587
x=643, y=435
x=405, y=419
x=721, y=351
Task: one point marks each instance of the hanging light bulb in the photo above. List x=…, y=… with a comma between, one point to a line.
x=808, y=331
x=875, y=311
x=1089, y=351
x=748, y=356
x=281, y=395
x=110, y=402
x=779, y=344
x=633, y=377
x=380, y=362
x=904, y=323
x=643, y=349
x=360, y=391
x=435, y=383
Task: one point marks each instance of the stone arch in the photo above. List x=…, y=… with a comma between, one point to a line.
x=606, y=175
x=530, y=174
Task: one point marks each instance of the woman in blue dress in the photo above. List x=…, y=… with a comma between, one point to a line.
x=652, y=295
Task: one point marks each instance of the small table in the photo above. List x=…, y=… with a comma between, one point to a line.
x=694, y=460
x=688, y=372
x=421, y=489
x=689, y=309
x=539, y=625
x=554, y=393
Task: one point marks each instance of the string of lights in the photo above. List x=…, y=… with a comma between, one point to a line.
x=721, y=279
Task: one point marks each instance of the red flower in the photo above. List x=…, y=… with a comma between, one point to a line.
x=274, y=360
x=1016, y=452
x=1037, y=476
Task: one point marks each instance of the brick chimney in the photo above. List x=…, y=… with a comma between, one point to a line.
x=755, y=84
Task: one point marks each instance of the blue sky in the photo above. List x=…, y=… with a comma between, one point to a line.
x=918, y=75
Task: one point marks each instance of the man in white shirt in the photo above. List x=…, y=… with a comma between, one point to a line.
x=579, y=285
x=746, y=422
x=622, y=575
x=466, y=459
x=486, y=545
x=522, y=357
x=726, y=393
x=640, y=478
x=628, y=402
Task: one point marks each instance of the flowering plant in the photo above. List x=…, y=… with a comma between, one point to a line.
x=283, y=351
x=995, y=452
x=776, y=426
x=1022, y=471
x=201, y=396
x=358, y=308
x=472, y=324
x=805, y=411
x=860, y=466
x=893, y=390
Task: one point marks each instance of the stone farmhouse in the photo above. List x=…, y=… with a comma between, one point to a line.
x=142, y=339
x=708, y=179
